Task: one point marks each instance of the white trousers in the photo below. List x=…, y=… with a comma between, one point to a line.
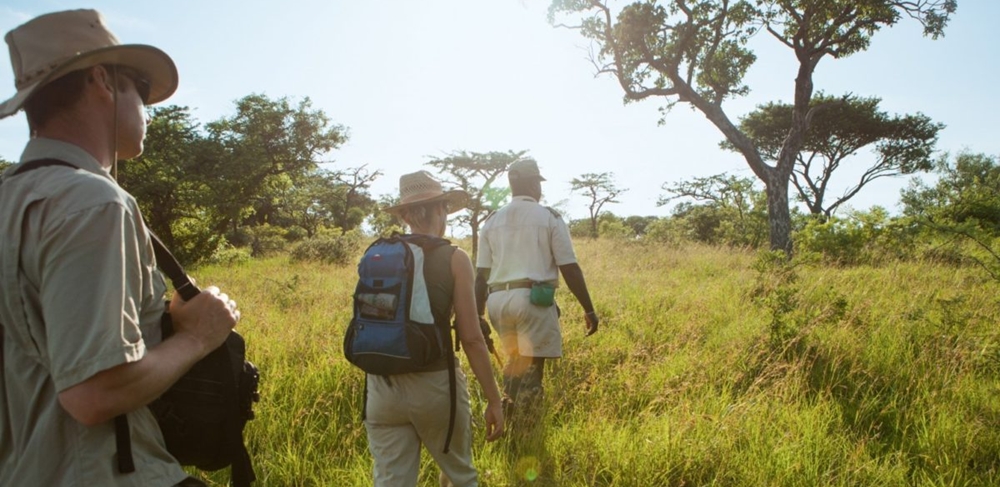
x=410, y=410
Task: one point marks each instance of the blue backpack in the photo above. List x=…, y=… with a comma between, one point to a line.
x=393, y=330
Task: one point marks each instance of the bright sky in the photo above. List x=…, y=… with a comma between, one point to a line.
x=414, y=80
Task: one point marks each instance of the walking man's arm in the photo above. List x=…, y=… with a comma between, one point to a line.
x=573, y=275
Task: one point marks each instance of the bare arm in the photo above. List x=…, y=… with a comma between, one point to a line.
x=482, y=289
x=573, y=275
x=467, y=322
x=201, y=325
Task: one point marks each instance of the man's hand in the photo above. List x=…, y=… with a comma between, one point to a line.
x=592, y=321
x=207, y=318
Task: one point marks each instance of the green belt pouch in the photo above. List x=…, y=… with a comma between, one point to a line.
x=543, y=294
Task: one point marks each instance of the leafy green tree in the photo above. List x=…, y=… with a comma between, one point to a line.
x=962, y=206
x=638, y=224
x=170, y=186
x=314, y=202
x=262, y=151
x=697, y=52
x=733, y=211
x=4, y=164
x=600, y=189
x=699, y=222
x=844, y=126
x=477, y=174
x=383, y=223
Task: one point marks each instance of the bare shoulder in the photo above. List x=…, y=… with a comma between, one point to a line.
x=461, y=265
x=460, y=257
x=460, y=253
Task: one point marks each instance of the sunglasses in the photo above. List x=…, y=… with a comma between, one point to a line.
x=141, y=84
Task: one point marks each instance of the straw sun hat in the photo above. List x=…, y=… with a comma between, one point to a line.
x=420, y=188
x=52, y=45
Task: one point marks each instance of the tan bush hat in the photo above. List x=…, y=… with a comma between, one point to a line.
x=52, y=45
x=524, y=169
x=420, y=188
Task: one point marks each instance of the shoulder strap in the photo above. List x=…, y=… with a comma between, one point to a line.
x=38, y=163
x=425, y=242
x=428, y=243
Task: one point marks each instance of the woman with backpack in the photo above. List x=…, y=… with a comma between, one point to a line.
x=406, y=410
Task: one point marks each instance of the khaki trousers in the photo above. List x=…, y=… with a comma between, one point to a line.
x=412, y=409
x=525, y=329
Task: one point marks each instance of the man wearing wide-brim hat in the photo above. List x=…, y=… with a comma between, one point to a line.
x=523, y=248
x=80, y=297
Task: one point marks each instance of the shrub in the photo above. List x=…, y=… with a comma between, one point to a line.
x=616, y=230
x=328, y=247
x=665, y=231
x=580, y=228
x=228, y=255
x=266, y=240
x=860, y=238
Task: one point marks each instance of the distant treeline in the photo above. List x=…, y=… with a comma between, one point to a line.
x=955, y=218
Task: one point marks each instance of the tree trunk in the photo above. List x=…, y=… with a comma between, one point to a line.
x=779, y=219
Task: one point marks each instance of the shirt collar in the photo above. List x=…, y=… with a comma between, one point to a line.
x=43, y=148
x=524, y=198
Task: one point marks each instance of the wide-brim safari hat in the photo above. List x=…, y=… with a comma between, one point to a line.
x=420, y=188
x=53, y=45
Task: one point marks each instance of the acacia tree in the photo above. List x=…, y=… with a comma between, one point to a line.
x=736, y=203
x=476, y=173
x=696, y=52
x=354, y=200
x=601, y=190
x=902, y=144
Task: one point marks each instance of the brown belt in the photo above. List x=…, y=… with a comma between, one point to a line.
x=510, y=285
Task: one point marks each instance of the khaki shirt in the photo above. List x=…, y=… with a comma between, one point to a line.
x=524, y=240
x=79, y=294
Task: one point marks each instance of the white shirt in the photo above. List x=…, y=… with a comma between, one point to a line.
x=524, y=240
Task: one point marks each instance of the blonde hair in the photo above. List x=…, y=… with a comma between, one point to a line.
x=420, y=215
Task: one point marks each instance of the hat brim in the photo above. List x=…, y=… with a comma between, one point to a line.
x=154, y=64
x=457, y=199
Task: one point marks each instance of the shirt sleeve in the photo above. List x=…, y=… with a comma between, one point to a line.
x=91, y=293
x=562, y=245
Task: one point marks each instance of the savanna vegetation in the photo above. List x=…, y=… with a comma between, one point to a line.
x=871, y=357
x=714, y=365
x=862, y=351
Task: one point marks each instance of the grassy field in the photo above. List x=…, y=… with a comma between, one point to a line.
x=712, y=367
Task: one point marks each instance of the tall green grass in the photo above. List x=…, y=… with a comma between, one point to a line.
x=711, y=367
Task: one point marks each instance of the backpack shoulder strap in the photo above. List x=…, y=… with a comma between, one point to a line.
x=425, y=242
